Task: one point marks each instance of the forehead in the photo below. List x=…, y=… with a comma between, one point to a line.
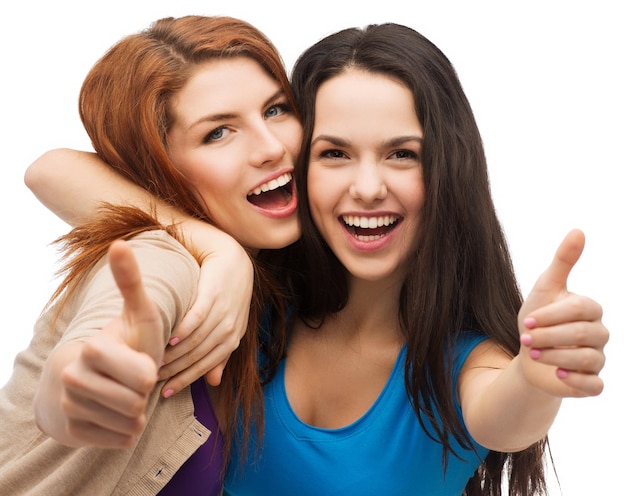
x=222, y=86
x=357, y=99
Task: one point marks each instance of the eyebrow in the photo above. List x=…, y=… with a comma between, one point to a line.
x=340, y=142
x=229, y=115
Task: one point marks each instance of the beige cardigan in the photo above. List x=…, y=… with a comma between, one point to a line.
x=31, y=463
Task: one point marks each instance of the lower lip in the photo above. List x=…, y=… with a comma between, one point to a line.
x=369, y=246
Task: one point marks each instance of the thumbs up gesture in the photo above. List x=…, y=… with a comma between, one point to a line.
x=561, y=333
x=142, y=324
x=98, y=393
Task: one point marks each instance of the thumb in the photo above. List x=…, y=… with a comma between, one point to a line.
x=143, y=323
x=553, y=282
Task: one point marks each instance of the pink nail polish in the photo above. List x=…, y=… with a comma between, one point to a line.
x=525, y=339
x=168, y=393
x=174, y=341
x=535, y=353
x=530, y=322
x=562, y=373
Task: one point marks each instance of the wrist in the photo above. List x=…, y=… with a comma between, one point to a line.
x=209, y=241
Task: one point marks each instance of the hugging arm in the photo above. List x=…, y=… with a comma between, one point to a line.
x=73, y=184
x=510, y=404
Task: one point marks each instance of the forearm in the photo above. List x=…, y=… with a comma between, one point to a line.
x=74, y=184
x=507, y=412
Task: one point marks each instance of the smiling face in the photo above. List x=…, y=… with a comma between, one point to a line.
x=365, y=184
x=235, y=138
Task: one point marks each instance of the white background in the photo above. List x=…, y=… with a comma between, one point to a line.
x=546, y=81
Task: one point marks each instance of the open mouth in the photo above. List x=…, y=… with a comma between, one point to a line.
x=274, y=194
x=370, y=228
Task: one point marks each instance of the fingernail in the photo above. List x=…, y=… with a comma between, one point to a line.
x=174, y=341
x=525, y=339
x=535, y=353
x=561, y=373
x=168, y=393
x=530, y=322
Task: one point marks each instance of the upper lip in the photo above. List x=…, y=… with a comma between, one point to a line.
x=275, y=181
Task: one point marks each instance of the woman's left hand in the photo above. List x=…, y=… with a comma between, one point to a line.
x=215, y=324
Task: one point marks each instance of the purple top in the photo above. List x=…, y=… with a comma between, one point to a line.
x=202, y=473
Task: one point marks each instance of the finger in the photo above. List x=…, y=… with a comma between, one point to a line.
x=80, y=409
x=188, y=375
x=94, y=435
x=112, y=366
x=210, y=352
x=144, y=325
x=197, y=315
x=193, y=346
x=584, y=360
x=572, y=308
x=581, y=385
x=577, y=334
x=214, y=376
x=554, y=279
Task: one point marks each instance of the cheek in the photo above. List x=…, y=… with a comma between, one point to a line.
x=215, y=183
x=215, y=173
x=293, y=138
x=414, y=193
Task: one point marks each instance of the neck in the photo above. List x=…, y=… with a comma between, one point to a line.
x=372, y=309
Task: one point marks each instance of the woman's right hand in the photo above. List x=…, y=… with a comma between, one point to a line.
x=562, y=333
x=95, y=392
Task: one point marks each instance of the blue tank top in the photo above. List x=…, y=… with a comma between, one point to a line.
x=386, y=451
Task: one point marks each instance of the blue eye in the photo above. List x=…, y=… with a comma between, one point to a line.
x=278, y=109
x=215, y=135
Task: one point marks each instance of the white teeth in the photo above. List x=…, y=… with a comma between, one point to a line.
x=272, y=185
x=368, y=238
x=369, y=222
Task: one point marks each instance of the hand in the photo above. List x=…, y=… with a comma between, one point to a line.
x=215, y=324
x=105, y=389
x=561, y=333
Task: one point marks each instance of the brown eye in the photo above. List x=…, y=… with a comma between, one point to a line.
x=405, y=154
x=332, y=154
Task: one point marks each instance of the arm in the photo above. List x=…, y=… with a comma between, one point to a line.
x=72, y=184
x=510, y=404
x=94, y=392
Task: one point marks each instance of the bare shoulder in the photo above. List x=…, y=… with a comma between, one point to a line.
x=483, y=364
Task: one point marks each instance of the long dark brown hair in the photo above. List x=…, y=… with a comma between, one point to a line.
x=461, y=276
x=125, y=106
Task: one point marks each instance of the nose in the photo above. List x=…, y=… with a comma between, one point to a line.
x=266, y=147
x=368, y=185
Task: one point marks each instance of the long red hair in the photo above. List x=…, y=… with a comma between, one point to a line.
x=125, y=104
